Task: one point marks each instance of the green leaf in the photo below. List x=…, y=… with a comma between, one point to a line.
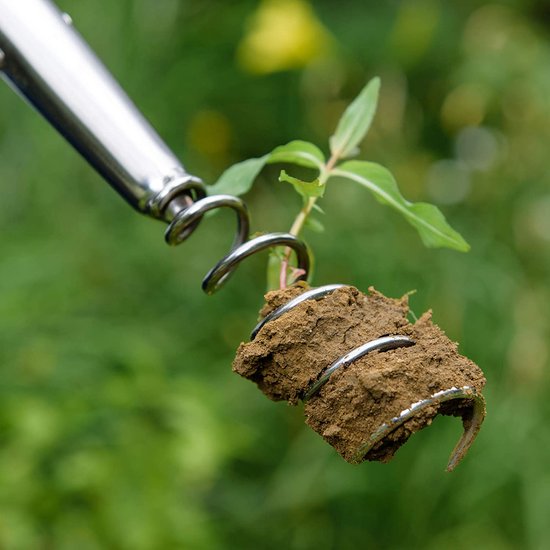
x=426, y=218
x=318, y=209
x=238, y=179
x=298, y=152
x=314, y=224
x=355, y=122
x=305, y=188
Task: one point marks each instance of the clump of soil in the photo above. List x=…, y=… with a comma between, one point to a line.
x=289, y=354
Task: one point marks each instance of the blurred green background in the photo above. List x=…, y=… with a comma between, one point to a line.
x=121, y=424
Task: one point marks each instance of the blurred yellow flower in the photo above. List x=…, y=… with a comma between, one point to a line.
x=283, y=34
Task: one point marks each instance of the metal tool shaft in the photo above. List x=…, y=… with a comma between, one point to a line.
x=49, y=63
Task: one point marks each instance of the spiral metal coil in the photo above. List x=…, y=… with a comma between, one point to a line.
x=382, y=344
x=186, y=211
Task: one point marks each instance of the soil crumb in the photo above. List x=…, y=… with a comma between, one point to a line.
x=289, y=354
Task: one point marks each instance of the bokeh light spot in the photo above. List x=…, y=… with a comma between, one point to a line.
x=464, y=106
x=414, y=29
x=477, y=148
x=209, y=133
x=448, y=182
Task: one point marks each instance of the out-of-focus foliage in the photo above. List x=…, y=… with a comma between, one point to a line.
x=121, y=424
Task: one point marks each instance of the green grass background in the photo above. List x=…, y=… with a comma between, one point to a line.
x=121, y=424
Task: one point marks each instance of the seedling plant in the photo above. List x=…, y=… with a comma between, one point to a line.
x=350, y=131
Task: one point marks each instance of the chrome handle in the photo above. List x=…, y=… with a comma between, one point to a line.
x=49, y=63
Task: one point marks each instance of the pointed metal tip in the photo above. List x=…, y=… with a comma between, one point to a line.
x=472, y=420
x=472, y=424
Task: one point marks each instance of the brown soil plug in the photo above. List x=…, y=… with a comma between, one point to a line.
x=366, y=407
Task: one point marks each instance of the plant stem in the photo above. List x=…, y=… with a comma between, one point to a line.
x=301, y=218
